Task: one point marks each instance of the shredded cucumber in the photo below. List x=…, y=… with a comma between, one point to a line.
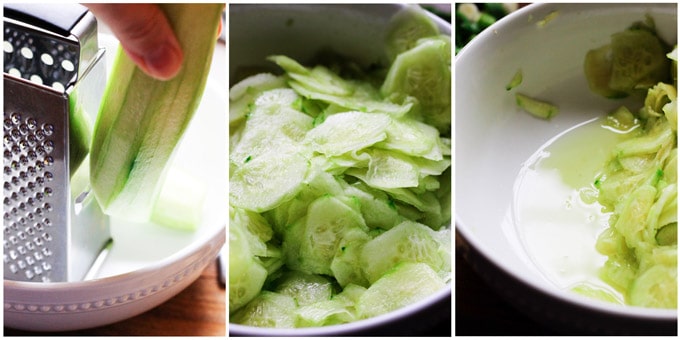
x=340, y=187
x=639, y=188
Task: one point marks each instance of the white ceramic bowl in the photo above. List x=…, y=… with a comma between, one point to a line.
x=300, y=31
x=147, y=264
x=494, y=139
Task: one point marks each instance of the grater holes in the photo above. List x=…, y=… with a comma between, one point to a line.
x=39, y=59
x=28, y=158
x=26, y=52
x=7, y=47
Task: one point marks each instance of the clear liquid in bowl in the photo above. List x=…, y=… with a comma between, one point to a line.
x=558, y=229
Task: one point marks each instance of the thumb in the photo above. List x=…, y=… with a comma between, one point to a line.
x=145, y=35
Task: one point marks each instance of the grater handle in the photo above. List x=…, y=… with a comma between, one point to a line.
x=57, y=18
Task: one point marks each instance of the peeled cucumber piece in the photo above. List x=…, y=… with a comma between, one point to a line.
x=142, y=119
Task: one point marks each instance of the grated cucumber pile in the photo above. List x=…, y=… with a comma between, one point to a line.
x=638, y=186
x=340, y=184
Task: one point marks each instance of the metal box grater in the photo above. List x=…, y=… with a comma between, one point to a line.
x=53, y=227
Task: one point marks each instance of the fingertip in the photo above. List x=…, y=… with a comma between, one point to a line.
x=165, y=62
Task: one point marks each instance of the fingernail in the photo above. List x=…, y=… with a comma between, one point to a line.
x=165, y=62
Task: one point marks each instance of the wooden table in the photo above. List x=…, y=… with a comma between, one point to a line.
x=200, y=309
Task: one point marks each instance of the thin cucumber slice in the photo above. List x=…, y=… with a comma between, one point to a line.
x=515, y=81
x=304, y=288
x=407, y=242
x=638, y=60
x=535, y=107
x=265, y=182
x=656, y=287
x=346, y=264
x=243, y=94
x=405, y=284
x=424, y=72
x=406, y=28
x=328, y=220
x=349, y=131
x=246, y=275
x=267, y=310
x=323, y=313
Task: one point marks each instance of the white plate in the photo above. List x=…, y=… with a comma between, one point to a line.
x=494, y=139
x=148, y=264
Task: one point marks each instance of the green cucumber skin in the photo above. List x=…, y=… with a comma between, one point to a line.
x=141, y=119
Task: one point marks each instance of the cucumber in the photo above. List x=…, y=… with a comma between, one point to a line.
x=345, y=265
x=349, y=131
x=180, y=202
x=272, y=121
x=79, y=133
x=406, y=28
x=407, y=242
x=515, y=81
x=388, y=170
x=266, y=181
x=243, y=94
x=638, y=60
x=597, y=67
x=376, y=207
x=142, y=119
x=246, y=275
x=656, y=287
x=596, y=292
x=405, y=284
x=267, y=310
x=328, y=220
x=535, y=107
x=304, y=288
x=424, y=72
x=412, y=138
x=323, y=313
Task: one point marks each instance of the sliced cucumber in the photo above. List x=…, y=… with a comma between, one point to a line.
x=349, y=131
x=328, y=220
x=405, y=284
x=243, y=94
x=424, y=72
x=246, y=275
x=638, y=60
x=407, y=242
x=267, y=310
x=323, y=313
x=266, y=181
x=346, y=264
x=515, y=81
x=406, y=28
x=304, y=288
x=535, y=107
x=413, y=138
x=656, y=287
x=141, y=119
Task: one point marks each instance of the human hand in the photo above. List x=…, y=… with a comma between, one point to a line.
x=145, y=35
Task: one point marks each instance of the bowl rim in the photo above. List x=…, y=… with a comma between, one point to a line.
x=461, y=227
